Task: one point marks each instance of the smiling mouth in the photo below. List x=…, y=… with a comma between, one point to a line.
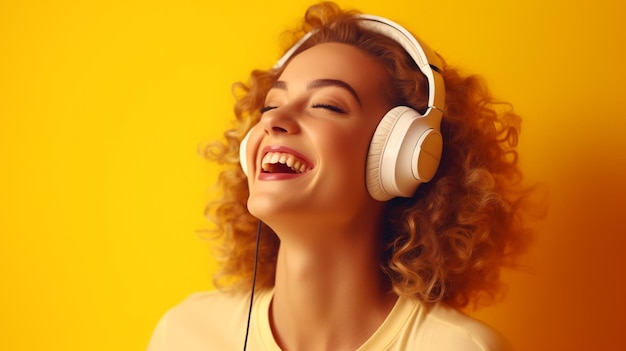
x=280, y=162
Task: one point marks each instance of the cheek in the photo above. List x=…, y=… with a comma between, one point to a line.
x=346, y=146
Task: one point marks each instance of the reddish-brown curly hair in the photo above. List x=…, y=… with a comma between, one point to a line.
x=446, y=243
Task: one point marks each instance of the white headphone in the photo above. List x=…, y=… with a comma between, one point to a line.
x=406, y=147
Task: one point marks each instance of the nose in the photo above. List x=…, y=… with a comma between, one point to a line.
x=281, y=120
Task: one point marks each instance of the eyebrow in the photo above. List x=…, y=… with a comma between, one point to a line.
x=321, y=83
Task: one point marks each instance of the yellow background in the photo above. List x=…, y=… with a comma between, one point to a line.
x=103, y=105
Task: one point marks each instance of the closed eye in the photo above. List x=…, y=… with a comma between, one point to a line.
x=267, y=108
x=329, y=107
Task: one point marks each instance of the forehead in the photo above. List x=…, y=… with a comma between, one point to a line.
x=337, y=61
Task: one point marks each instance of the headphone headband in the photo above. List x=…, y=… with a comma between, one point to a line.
x=428, y=62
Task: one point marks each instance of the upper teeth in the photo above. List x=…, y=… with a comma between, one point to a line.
x=287, y=159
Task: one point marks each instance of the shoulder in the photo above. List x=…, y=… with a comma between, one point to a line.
x=458, y=331
x=197, y=304
x=203, y=319
x=211, y=310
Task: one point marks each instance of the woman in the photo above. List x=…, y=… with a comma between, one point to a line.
x=354, y=253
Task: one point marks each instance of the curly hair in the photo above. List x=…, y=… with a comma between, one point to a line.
x=446, y=243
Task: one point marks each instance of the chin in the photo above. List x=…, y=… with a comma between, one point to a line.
x=266, y=207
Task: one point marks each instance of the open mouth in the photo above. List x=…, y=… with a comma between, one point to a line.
x=280, y=162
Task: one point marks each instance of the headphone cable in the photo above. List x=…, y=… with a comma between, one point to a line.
x=256, y=259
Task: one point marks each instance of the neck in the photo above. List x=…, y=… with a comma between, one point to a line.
x=329, y=296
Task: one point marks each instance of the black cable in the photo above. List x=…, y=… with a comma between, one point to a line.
x=256, y=259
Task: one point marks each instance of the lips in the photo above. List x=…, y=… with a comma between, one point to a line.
x=280, y=160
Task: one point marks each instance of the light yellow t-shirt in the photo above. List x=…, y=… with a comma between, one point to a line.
x=217, y=321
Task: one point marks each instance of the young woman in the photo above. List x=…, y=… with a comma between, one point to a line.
x=383, y=189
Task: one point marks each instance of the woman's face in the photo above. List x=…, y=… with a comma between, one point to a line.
x=307, y=154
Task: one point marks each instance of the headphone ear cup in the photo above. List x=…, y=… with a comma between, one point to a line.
x=404, y=152
x=373, y=172
x=243, y=158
